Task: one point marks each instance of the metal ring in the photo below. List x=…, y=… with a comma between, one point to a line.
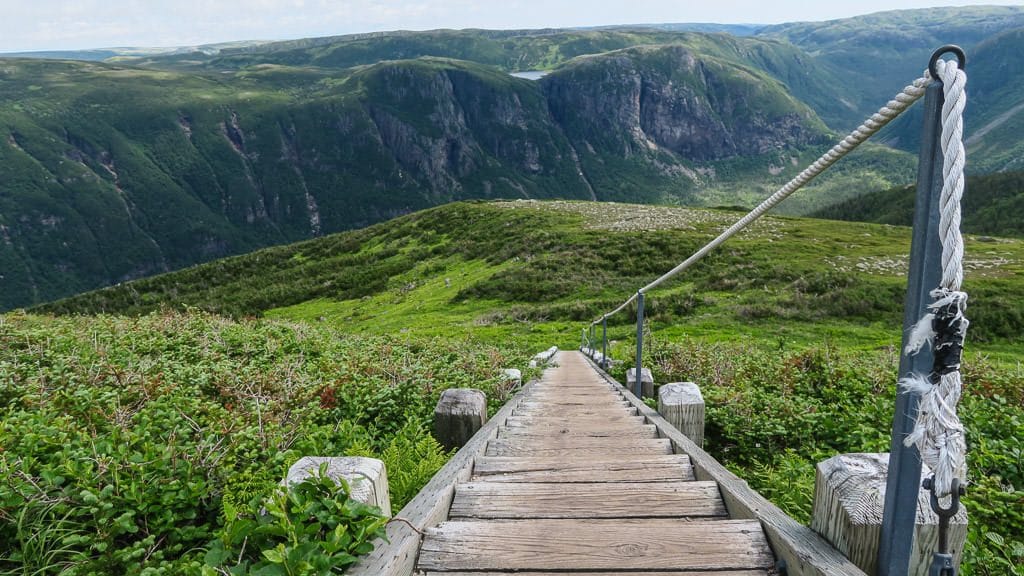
x=961, y=58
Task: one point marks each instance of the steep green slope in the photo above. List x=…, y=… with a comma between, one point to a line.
x=992, y=204
x=112, y=173
x=871, y=56
x=483, y=266
x=874, y=55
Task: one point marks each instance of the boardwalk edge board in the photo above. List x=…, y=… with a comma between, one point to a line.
x=805, y=552
x=397, y=557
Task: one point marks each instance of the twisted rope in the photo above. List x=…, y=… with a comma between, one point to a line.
x=885, y=114
x=938, y=432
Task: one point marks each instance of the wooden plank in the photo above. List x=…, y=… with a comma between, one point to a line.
x=621, y=545
x=525, y=445
x=493, y=500
x=805, y=552
x=576, y=412
x=574, y=573
x=645, y=431
x=636, y=469
x=538, y=421
x=579, y=447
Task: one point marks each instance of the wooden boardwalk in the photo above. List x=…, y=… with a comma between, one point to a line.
x=575, y=482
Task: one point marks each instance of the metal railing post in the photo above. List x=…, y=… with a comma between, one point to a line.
x=604, y=342
x=924, y=275
x=639, y=342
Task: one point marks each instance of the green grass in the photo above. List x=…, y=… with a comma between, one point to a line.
x=128, y=445
x=795, y=322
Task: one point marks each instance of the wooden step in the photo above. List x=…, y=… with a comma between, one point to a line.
x=638, y=468
x=574, y=573
x=633, y=431
x=541, y=421
x=493, y=500
x=574, y=412
x=578, y=447
x=580, y=545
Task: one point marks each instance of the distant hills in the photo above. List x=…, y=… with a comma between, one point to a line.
x=993, y=204
x=150, y=162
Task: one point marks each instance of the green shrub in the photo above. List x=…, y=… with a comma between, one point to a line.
x=309, y=528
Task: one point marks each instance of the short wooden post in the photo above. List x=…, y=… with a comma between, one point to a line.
x=646, y=382
x=513, y=376
x=682, y=404
x=545, y=357
x=367, y=478
x=849, y=494
x=459, y=414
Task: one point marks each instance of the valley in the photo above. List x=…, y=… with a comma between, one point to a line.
x=218, y=258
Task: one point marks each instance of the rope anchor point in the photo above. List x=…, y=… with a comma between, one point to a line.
x=961, y=58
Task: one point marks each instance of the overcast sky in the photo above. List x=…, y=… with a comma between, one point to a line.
x=77, y=24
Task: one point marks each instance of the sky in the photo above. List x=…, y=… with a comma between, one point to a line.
x=79, y=24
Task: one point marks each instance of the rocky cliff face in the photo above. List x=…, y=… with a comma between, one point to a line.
x=700, y=108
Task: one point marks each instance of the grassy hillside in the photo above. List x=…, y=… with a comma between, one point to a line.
x=873, y=54
x=992, y=204
x=481, y=266
x=112, y=173
x=791, y=329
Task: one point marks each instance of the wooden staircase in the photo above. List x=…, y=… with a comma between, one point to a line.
x=575, y=482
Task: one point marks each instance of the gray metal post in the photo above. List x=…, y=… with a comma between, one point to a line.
x=904, y=480
x=604, y=342
x=639, y=343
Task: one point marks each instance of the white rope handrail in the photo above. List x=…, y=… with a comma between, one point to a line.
x=876, y=122
x=938, y=432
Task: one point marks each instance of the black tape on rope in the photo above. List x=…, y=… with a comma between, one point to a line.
x=950, y=327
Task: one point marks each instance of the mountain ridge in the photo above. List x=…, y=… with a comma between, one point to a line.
x=113, y=171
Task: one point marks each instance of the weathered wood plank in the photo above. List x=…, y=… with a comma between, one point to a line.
x=574, y=573
x=622, y=469
x=805, y=552
x=578, y=447
x=494, y=500
x=644, y=431
x=539, y=421
x=576, y=412
x=622, y=545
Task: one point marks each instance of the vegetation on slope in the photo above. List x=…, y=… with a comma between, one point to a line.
x=992, y=204
x=791, y=326
x=873, y=54
x=133, y=445
x=112, y=173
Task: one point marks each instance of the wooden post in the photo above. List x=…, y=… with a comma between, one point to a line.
x=682, y=404
x=366, y=477
x=545, y=357
x=849, y=494
x=513, y=376
x=646, y=382
x=459, y=414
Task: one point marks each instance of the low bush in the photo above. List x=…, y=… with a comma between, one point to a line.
x=128, y=445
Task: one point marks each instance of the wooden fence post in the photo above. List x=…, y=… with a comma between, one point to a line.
x=367, y=478
x=646, y=382
x=682, y=404
x=849, y=494
x=459, y=414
